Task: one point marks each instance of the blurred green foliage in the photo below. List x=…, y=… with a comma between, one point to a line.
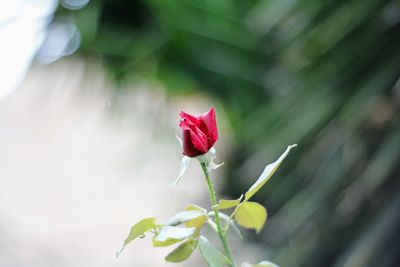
x=318, y=73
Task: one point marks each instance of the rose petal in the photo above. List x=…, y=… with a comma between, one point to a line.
x=190, y=118
x=209, y=119
x=199, y=140
x=188, y=147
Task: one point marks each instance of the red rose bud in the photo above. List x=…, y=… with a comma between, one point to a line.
x=199, y=132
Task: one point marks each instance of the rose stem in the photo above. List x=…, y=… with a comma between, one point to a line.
x=221, y=233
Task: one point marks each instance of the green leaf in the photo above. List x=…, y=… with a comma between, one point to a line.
x=210, y=253
x=195, y=207
x=261, y=264
x=266, y=264
x=251, y=215
x=184, y=216
x=236, y=230
x=269, y=170
x=199, y=221
x=166, y=243
x=139, y=230
x=182, y=252
x=226, y=204
x=172, y=232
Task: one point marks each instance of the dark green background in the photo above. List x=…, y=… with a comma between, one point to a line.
x=318, y=73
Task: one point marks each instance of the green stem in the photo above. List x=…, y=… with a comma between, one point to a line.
x=221, y=233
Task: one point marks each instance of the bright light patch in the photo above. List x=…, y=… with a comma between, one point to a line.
x=23, y=25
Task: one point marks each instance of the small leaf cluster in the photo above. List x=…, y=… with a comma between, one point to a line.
x=185, y=227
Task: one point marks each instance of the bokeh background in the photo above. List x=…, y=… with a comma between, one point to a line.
x=89, y=97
